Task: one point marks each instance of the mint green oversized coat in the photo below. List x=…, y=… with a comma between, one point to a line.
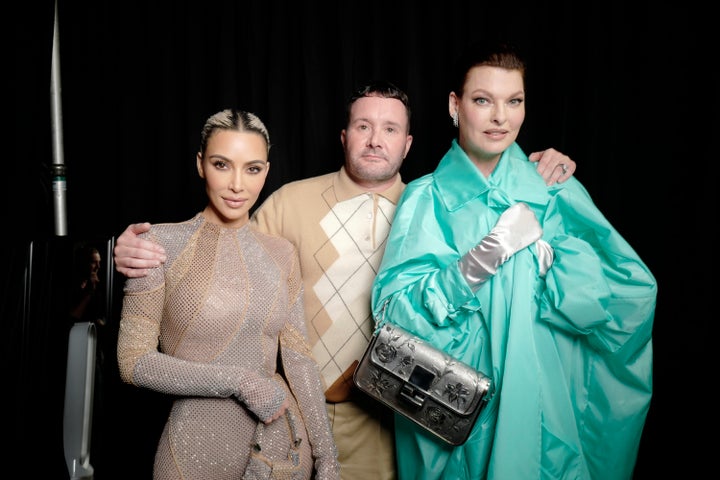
x=570, y=354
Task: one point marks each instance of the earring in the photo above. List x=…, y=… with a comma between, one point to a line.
x=455, y=119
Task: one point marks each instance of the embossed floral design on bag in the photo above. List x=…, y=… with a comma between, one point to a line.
x=425, y=384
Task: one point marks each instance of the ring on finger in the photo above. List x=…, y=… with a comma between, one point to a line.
x=564, y=168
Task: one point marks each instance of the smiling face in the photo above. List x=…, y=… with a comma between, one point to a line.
x=491, y=110
x=234, y=166
x=376, y=141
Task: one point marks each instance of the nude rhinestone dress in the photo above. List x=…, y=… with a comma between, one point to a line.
x=207, y=327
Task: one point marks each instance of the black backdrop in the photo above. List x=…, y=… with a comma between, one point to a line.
x=622, y=87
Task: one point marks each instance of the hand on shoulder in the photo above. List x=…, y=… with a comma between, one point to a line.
x=133, y=255
x=553, y=166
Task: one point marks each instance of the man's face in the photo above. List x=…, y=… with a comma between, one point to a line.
x=376, y=140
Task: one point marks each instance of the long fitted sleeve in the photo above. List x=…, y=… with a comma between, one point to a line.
x=303, y=376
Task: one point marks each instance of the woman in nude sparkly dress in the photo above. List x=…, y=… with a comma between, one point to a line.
x=207, y=326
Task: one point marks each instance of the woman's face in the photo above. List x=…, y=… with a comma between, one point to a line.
x=490, y=111
x=235, y=167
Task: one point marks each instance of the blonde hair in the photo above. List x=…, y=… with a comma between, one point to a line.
x=236, y=120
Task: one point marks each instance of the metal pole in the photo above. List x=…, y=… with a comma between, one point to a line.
x=59, y=184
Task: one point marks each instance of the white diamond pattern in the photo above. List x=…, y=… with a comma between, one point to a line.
x=345, y=287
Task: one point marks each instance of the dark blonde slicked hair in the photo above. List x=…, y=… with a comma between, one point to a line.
x=491, y=54
x=234, y=120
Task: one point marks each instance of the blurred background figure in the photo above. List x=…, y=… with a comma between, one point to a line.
x=88, y=296
x=88, y=301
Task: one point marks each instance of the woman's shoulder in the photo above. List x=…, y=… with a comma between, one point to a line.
x=271, y=241
x=173, y=231
x=421, y=183
x=165, y=227
x=416, y=192
x=282, y=252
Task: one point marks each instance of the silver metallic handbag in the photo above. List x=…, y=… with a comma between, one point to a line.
x=436, y=391
x=262, y=467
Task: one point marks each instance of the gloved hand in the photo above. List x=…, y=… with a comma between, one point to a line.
x=545, y=256
x=516, y=228
x=262, y=396
x=326, y=466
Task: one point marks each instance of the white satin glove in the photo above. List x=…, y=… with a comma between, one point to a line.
x=545, y=256
x=516, y=228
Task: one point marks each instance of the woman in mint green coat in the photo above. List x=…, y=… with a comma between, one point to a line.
x=528, y=283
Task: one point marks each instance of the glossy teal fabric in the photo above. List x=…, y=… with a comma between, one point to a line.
x=570, y=354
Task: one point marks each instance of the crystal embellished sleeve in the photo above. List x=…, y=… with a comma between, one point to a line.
x=303, y=376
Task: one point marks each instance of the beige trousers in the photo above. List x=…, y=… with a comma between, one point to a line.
x=363, y=432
